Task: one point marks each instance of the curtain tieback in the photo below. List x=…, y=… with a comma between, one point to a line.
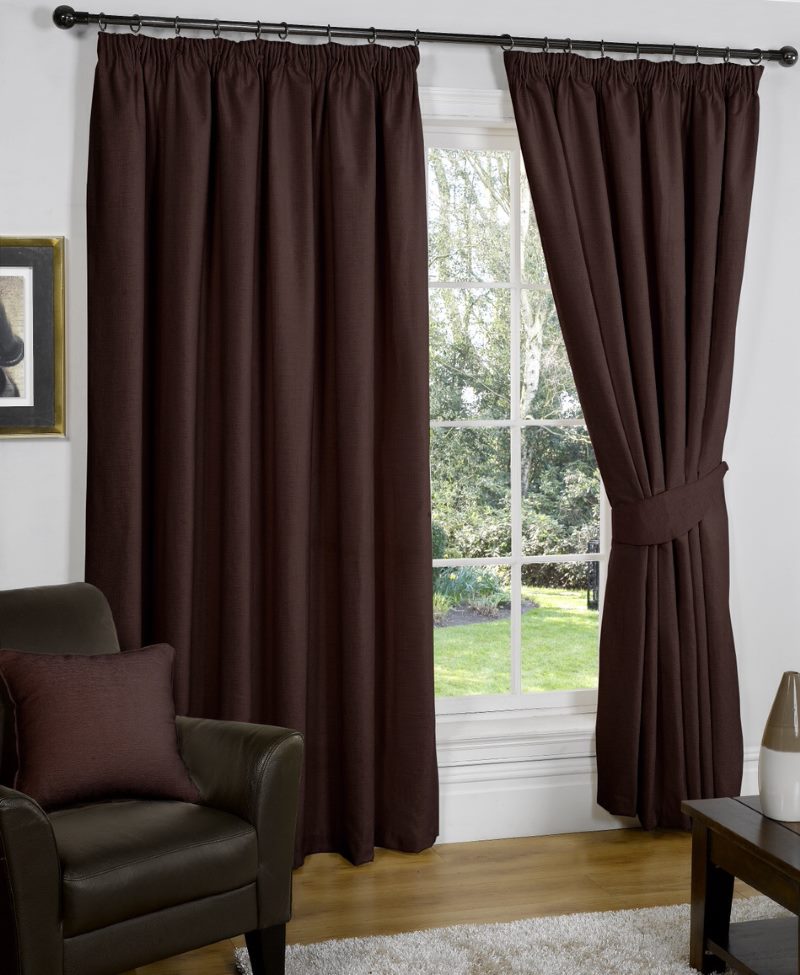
x=668, y=515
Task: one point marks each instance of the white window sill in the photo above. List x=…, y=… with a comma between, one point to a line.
x=513, y=737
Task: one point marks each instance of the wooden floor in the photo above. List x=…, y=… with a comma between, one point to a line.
x=500, y=880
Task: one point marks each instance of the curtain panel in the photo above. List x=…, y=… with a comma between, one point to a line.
x=258, y=487
x=641, y=175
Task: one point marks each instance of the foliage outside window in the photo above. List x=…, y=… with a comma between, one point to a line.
x=516, y=491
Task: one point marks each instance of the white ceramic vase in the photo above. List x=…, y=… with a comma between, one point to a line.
x=779, y=761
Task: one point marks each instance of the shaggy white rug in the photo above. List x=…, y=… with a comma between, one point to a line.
x=652, y=941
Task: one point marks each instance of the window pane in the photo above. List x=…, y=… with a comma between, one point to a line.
x=469, y=215
x=470, y=353
x=471, y=607
x=534, y=270
x=560, y=626
x=471, y=487
x=560, y=491
x=547, y=389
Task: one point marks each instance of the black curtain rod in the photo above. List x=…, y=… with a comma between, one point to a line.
x=65, y=17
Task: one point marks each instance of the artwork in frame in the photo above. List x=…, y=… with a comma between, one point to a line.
x=32, y=337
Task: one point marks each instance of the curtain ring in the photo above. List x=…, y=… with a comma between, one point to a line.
x=101, y=22
x=760, y=57
x=373, y=37
x=697, y=54
x=258, y=30
x=510, y=43
x=284, y=33
x=177, y=26
x=673, y=51
x=416, y=37
x=727, y=55
x=138, y=20
x=638, y=52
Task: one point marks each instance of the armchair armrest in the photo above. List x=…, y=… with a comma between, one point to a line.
x=30, y=889
x=252, y=771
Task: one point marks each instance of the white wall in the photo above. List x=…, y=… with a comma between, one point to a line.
x=45, y=91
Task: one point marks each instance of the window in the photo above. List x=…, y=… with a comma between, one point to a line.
x=519, y=532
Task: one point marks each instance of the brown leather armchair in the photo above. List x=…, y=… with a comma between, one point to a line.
x=102, y=888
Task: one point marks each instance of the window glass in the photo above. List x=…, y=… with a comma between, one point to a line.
x=518, y=541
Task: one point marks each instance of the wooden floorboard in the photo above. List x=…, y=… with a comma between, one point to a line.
x=499, y=880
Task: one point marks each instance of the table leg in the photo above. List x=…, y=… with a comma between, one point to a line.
x=712, y=893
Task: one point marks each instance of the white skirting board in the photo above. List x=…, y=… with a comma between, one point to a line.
x=505, y=800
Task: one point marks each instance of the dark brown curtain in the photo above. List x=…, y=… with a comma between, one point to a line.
x=641, y=175
x=258, y=488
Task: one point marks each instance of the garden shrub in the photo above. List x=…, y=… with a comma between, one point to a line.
x=480, y=589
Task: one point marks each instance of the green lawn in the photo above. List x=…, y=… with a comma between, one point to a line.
x=559, y=649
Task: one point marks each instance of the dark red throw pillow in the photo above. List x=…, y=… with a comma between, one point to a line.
x=95, y=727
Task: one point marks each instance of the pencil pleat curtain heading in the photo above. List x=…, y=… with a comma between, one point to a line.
x=258, y=488
x=641, y=175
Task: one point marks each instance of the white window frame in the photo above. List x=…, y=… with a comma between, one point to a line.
x=460, y=119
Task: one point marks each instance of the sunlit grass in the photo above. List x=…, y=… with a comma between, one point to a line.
x=559, y=649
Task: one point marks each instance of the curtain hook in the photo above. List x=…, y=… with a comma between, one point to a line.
x=373, y=37
x=416, y=37
x=101, y=22
x=674, y=46
x=727, y=55
x=638, y=52
x=258, y=30
x=760, y=57
x=216, y=28
x=177, y=26
x=330, y=38
x=138, y=20
x=602, y=49
x=697, y=54
x=510, y=43
x=284, y=32
x=547, y=45
x=569, y=45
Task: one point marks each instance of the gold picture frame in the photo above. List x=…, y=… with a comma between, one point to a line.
x=32, y=337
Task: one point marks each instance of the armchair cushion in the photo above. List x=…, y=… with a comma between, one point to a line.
x=95, y=727
x=120, y=860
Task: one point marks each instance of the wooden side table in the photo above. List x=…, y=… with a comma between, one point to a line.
x=731, y=838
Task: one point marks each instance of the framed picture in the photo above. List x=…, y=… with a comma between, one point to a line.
x=31, y=337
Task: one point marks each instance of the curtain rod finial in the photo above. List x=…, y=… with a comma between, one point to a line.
x=788, y=56
x=64, y=17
